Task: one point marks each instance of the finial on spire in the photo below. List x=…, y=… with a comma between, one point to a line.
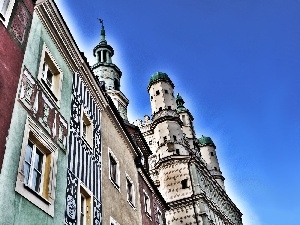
x=102, y=31
x=101, y=21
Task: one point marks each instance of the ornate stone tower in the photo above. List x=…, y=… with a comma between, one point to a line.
x=108, y=72
x=166, y=123
x=192, y=186
x=208, y=152
x=169, y=164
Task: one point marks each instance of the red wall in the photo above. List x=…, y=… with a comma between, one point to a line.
x=154, y=204
x=12, y=46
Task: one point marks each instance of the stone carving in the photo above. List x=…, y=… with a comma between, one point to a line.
x=19, y=23
x=39, y=106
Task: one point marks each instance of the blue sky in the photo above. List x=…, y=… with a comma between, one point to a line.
x=236, y=63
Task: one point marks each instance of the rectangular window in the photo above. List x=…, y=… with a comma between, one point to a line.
x=37, y=166
x=184, y=183
x=147, y=204
x=159, y=218
x=114, y=170
x=85, y=206
x=130, y=191
x=183, y=119
x=33, y=166
x=36, y=178
x=50, y=76
x=87, y=129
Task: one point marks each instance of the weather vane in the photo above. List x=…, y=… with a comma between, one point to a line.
x=101, y=21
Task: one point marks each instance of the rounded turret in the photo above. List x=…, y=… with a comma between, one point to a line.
x=208, y=152
x=206, y=141
x=161, y=90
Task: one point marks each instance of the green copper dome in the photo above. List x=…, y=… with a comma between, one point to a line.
x=206, y=141
x=159, y=76
x=180, y=103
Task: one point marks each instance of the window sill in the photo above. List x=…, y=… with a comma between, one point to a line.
x=131, y=204
x=149, y=216
x=86, y=142
x=115, y=184
x=49, y=90
x=37, y=194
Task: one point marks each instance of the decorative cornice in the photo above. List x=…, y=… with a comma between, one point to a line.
x=165, y=115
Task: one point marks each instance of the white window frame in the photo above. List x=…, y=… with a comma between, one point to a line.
x=45, y=197
x=88, y=134
x=53, y=91
x=112, y=221
x=160, y=217
x=29, y=183
x=132, y=201
x=116, y=182
x=87, y=195
x=147, y=206
x=7, y=13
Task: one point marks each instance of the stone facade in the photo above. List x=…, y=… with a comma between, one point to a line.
x=192, y=185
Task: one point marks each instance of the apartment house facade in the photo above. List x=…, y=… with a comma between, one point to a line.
x=15, y=23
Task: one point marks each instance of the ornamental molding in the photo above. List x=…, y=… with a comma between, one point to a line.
x=165, y=115
x=39, y=106
x=62, y=38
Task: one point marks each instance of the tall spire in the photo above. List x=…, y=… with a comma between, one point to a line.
x=102, y=39
x=106, y=71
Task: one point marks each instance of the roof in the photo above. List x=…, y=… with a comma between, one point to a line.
x=206, y=141
x=160, y=76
